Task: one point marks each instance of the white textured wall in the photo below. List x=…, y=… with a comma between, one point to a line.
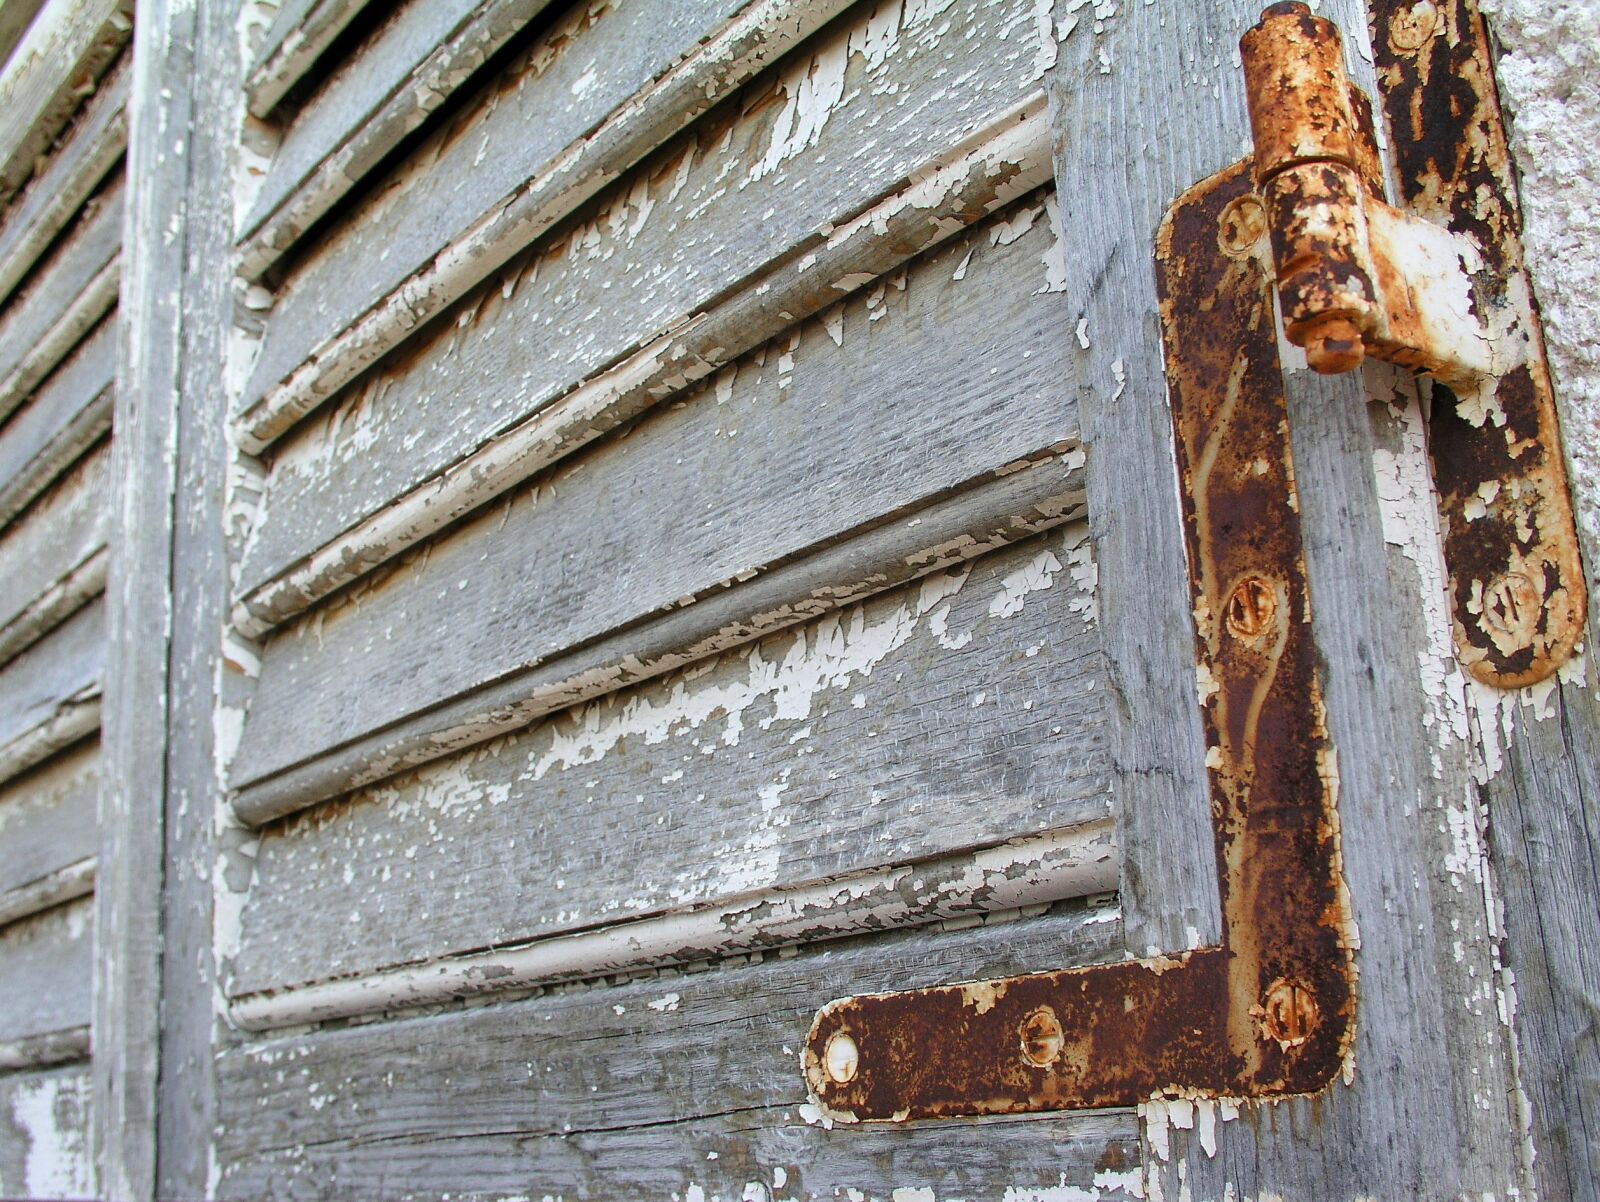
x=1550, y=81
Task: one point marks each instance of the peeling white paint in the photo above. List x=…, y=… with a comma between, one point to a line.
x=51, y=1111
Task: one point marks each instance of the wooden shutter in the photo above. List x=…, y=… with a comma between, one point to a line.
x=63, y=87
x=688, y=500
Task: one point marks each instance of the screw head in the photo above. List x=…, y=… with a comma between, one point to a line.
x=1512, y=605
x=1411, y=27
x=1250, y=608
x=1241, y=227
x=1042, y=1038
x=1288, y=1013
x=841, y=1059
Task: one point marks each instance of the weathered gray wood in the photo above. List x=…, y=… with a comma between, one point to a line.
x=15, y=16
x=43, y=1051
x=525, y=118
x=934, y=382
x=415, y=489
x=70, y=292
x=981, y=516
x=486, y=232
x=163, y=122
x=43, y=689
x=69, y=413
x=299, y=33
x=46, y=966
x=1027, y=873
x=392, y=82
x=1124, y=152
x=89, y=149
x=74, y=880
x=52, y=560
x=597, y=1091
x=47, y=821
x=969, y=696
x=68, y=46
x=179, y=569
x=44, y=1135
x=1543, y=800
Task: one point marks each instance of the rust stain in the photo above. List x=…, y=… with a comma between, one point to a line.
x=1516, y=581
x=1271, y=1011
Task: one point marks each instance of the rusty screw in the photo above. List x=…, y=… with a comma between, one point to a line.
x=1042, y=1038
x=1250, y=608
x=1410, y=28
x=1242, y=226
x=1511, y=606
x=841, y=1058
x=1288, y=1013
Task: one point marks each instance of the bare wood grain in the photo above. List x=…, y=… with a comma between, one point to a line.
x=294, y=41
x=474, y=239
x=957, y=712
x=980, y=516
x=46, y=965
x=404, y=71
x=67, y=47
x=53, y=557
x=48, y=831
x=315, y=496
x=1123, y=153
x=161, y=121
x=953, y=355
x=51, y=690
x=69, y=413
x=89, y=149
x=71, y=291
x=599, y=1089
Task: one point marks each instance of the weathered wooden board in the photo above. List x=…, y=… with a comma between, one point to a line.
x=1542, y=795
x=68, y=46
x=43, y=689
x=953, y=713
x=69, y=413
x=48, y=821
x=15, y=17
x=934, y=381
x=44, y=1135
x=52, y=560
x=826, y=118
x=299, y=33
x=70, y=291
x=89, y=148
x=981, y=515
x=646, y=1089
x=432, y=448
x=46, y=971
x=403, y=71
x=529, y=115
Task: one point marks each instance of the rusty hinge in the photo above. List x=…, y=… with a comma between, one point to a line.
x=1440, y=291
x=1270, y=1011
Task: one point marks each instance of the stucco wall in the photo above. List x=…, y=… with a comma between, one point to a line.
x=1549, y=73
